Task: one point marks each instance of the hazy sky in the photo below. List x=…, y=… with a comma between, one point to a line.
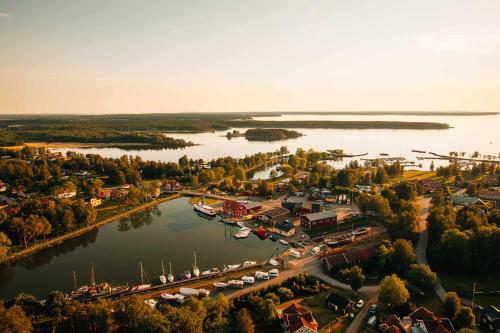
x=110, y=56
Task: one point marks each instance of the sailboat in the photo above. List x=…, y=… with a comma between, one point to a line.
x=142, y=285
x=170, y=276
x=163, y=278
x=187, y=274
x=196, y=270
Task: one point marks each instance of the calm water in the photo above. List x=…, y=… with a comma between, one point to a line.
x=469, y=134
x=170, y=232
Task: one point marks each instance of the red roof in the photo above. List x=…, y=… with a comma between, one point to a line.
x=422, y=314
x=295, y=317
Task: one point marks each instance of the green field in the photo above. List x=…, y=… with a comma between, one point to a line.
x=463, y=284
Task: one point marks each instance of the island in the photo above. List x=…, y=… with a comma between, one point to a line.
x=265, y=134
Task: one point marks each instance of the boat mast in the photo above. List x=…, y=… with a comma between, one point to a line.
x=195, y=258
x=74, y=281
x=170, y=267
x=162, y=269
x=92, y=277
x=142, y=274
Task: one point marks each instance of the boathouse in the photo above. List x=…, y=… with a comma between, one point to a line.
x=233, y=208
x=318, y=220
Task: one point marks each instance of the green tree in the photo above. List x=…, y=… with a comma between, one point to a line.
x=55, y=305
x=286, y=169
x=393, y=290
x=464, y=318
x=267, y=311
x=406, y=191
x=217, y=314
x=5, y=243
x=264, y=188
x=244, y=322
x=14, y=320
x=422, y=276
x=240, y=174
x=355, y=277
x=402, y=256
x=193, y=181
x=381, y=176
x=284, y=293
x=451, y=304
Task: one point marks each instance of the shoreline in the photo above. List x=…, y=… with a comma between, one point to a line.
x=59, y=239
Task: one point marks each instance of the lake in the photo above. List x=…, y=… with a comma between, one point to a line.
x=170, y=232
x=469, y=134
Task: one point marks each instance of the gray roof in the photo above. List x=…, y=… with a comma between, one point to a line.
x=276, y=212
x=284, y=226
x=252, y=205
x=321, y=215
x=464, y=200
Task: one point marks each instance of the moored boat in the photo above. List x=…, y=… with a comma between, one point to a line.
x=187, y=274
x=240, y=224
x=249, y=263
x=284, y=242
x=151, y=303
x=163, y=277
x=220, y=285
x=196, y=270
x=170, y=276
x=230, y=267
x=184, y=291
x=167, y=297
x=205, y=209
x=142, y=285
x=213, y=271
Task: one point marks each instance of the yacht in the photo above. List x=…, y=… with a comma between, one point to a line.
x=230, y=267
x=196, y=270
x=163, y=277
x=200, y=207
x=142, y=285
x=168, y=297
x=213, y=271
x=170, y=276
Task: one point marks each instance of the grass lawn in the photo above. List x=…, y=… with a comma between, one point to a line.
x=431, y=301
x=463, y=284
x=208, y=201
x=418, y=174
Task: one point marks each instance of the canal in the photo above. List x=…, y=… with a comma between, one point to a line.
x=170, y=232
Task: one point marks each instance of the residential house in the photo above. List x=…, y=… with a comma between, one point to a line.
x=297, y=319
x=66, y=195
x=421, y=320
x=339, y=303
x=233, y=208
x=428, y=185
x=462, y=200
x=170, y=185
x=492, y=195
x=318, y=220
x=286, y=229
x=352, y=257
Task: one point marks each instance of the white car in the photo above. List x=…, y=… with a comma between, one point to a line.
x=360, y=303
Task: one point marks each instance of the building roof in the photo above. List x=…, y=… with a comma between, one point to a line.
x=338, y=300
x=276, y=212
x=464, y=200
x=295, y=316
x=351, y=256
x=252, y=205
x=422, y=314
x=284, y=226
x=489, y=194
x=321, y=215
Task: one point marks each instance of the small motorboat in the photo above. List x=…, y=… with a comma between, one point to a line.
x=203, y=292
x=187, y=274
x=274, y=262
x=213, y=271
x=167, y=297
x=284, y=242
x=240, y=224
x=151, y=303
x=220, y=285
x=230, y=267
x=273, y=238
x=249, y=263
x=200, y=207
x=188, y=291
x=236, y=283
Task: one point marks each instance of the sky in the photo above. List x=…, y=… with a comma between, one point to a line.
x=143, y=56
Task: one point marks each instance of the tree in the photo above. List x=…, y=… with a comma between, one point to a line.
x=431, y=167
x=464, y=318
x=90, y=317
x=286, y=169
x=393, y=290
x=451, y=304
x=217, y=312
x=244, y=322
x=422, y=276
x=131, y=314
x=267, y=311
x=55, y=305
x=355, y=277
x=193, y=181
x=240, y=174
x=14, y=320
x=381, y=176
x=4, y=244
x=406, y=191
x=264, y=188
x=402, y=256
x=284, y=293
x=471, y=190
x=30, y=227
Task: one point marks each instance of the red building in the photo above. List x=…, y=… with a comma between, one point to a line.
x=297, y=319
x=318, y=220
x=234, y=208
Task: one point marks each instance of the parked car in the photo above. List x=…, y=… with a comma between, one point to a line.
x=373, y=309
x=360, y=303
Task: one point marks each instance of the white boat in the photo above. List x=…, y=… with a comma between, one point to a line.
x=230, y=267
x=284, y=242
x=243, y=233
x=248, y=279
x=188, y=291
x=236, y=283
x=273, y=273
x=163, y=277
x=245, y=229
x=213, y=271
x=167, y=297
x=203, y=292
x=170, y=276
x=205, y=209
x=187, y=274
x=240, y=224
x=151, y=303
x=196, y=270
x=179, y=298
x=295, y=253
x=249, y=263
x=274, y=262
x=220, y=285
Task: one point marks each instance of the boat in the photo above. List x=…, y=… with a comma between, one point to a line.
x=196, y=270
x=249, y=263
x=163, y=277
x=142, y=285
x=188, y=291
x=230, y=267
x=274, y=262
x=361, y=231
x=236, y=283
x=220, y=285
x=384, y=154
x=213, y=271
x=284, y=242
x=203, y=292
x=187, y=274
x=295, y=253
x=418, y=151
x=248, y=279
x=170, y=276
x=151, y=303
x=200, y=207
x=273, y=238
x=243, y=233
x=167, y=297
x=261, y=233
x=179, y=298
x=240, y=224
x=95, y=290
